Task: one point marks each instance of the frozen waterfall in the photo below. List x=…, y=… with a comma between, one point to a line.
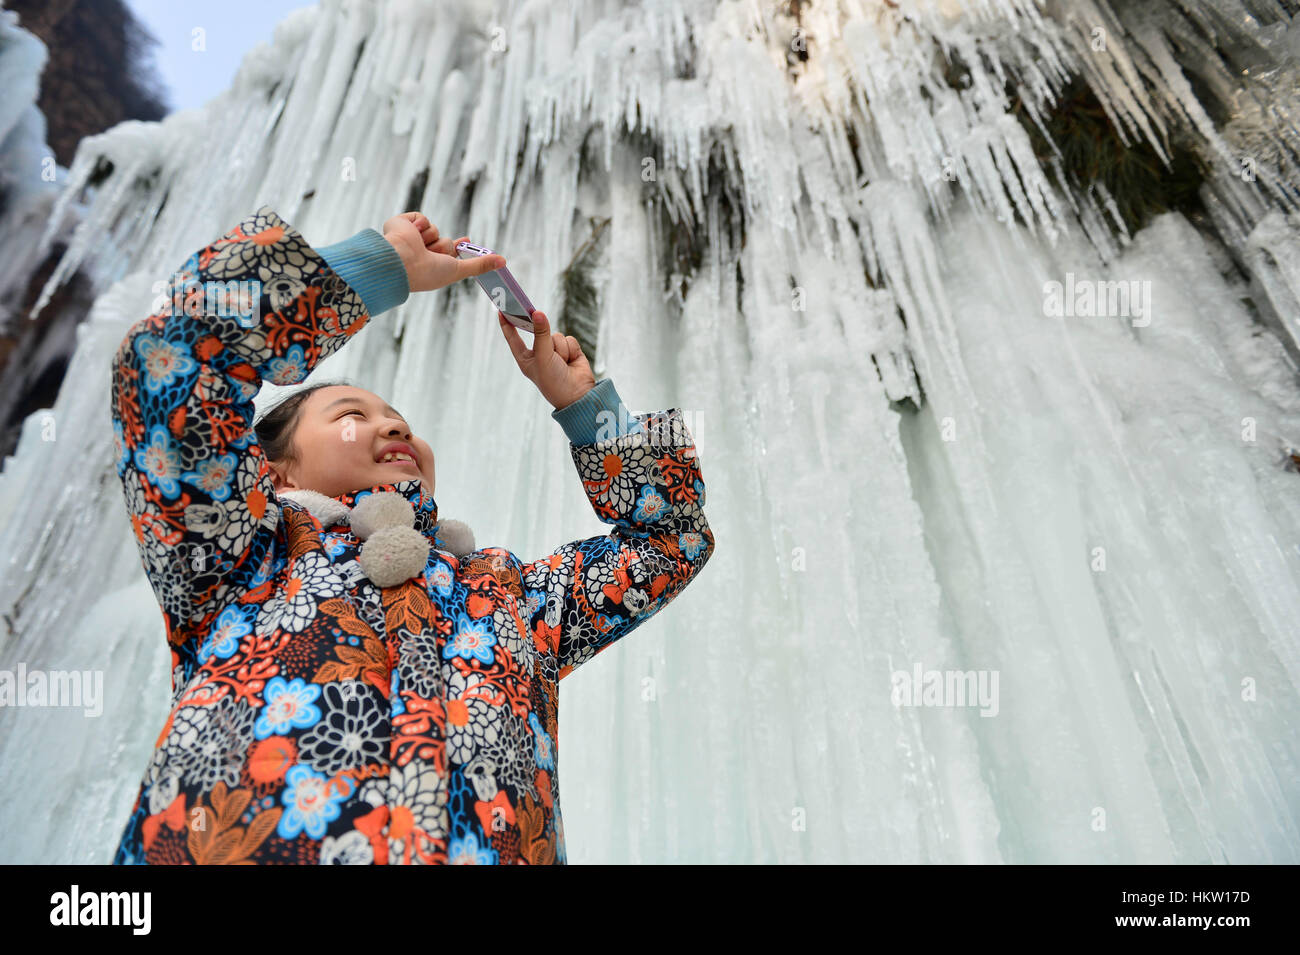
x=935, y=435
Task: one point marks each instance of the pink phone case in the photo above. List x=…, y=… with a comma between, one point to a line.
x=500, y=286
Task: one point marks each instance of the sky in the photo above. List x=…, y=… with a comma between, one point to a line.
x=231, y=29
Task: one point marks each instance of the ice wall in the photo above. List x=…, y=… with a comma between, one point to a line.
x=836, y=254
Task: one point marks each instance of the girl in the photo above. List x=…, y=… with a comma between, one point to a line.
x=353, y=682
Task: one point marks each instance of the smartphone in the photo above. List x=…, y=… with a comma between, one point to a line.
x=501, y=288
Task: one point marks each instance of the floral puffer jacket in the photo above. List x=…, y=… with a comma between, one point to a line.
x=318, y=718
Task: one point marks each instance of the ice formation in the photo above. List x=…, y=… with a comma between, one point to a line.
x=827, y=236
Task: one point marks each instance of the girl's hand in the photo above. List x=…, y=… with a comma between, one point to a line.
x=430, y=261
x=555, y=363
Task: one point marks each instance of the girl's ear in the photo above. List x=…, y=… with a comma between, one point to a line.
x=278, y=479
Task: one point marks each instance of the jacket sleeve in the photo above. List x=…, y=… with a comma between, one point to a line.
x=257, y=304
x=641, y=476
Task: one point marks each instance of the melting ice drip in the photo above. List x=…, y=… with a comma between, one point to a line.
x=837, y=255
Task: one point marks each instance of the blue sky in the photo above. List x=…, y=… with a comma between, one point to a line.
x=231, y=27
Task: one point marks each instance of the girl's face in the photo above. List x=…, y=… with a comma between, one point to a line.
x=342, y=436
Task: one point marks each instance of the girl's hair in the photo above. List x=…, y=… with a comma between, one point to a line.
x=276, y=427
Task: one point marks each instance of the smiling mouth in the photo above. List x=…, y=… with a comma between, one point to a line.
x=398, y=457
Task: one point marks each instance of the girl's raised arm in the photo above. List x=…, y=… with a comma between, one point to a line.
x=257, y=304
x=644, y=479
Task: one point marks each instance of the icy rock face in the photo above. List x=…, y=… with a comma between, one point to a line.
x=30, y=183
x=956, y=421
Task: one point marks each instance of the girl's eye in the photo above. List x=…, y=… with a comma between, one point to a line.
x=354, y=411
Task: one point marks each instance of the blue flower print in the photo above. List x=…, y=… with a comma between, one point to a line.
x=290, y=369
x=333, y=546
x=441, y=579
x=467, y=851
x=263, y=573
x=533, y=599
x=160, y=462
x=543, y=754
x=310, y=802
x=472, y=639
x=650, y=506
x=119, y=446
x=692, y=544
x=130, y=851
x=224, y=639
x=163, y=362
x=214, y=476
x=287, y=704
x=394, y=696
x=249, y=436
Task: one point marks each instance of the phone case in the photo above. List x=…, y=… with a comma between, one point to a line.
x=500, y=286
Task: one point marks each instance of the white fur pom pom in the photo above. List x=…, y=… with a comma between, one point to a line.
x=392, y=555
x=377, y=511
x=325, y=509
x=456, y=536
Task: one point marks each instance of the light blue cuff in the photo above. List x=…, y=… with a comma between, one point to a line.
x=595, y=416
x=371, y=266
